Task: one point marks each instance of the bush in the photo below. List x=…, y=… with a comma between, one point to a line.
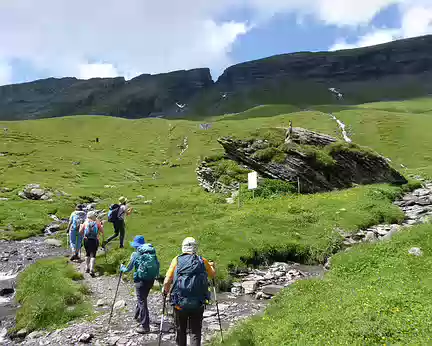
x=50, y=295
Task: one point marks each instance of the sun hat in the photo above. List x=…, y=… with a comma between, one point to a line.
x=92, y=215
x=190, y=245
x=138, y=241
x=123, y=200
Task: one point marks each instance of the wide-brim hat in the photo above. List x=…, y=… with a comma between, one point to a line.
x=123, y=199
x=138, y=241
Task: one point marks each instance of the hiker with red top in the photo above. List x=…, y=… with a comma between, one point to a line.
x=91, y=230
x=188, y=276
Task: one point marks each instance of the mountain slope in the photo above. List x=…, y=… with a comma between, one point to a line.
x=396, y=70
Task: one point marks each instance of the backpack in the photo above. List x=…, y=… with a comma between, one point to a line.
x=78, y=219
x=113, y=213
x=146, y=264
x=91, y=231
x=190, y=289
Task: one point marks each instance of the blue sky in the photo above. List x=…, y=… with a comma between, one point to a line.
x=107, y=38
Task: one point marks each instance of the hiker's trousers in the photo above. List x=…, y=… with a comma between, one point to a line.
x=195, y=325
x=119, y=228
x=75, y=240
x=142, y=289
x=91, y=247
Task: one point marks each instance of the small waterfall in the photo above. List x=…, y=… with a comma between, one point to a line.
x=342, y=127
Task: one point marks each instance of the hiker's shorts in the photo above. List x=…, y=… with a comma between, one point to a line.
x=91, y=247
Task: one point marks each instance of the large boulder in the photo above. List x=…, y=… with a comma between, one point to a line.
x=35, y=192
x=318, y=161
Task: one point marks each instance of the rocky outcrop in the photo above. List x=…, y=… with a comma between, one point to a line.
x=35, y=192
x=319, y=162
x=395, y=70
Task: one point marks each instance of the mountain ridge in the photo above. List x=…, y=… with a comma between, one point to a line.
x=397, y=70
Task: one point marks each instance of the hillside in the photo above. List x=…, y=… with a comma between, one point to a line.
x=392, y=71
x=153, y=162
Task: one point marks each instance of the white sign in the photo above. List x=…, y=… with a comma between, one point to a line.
x=252, y=180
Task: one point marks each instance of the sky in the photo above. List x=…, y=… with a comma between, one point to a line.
x=109, y=38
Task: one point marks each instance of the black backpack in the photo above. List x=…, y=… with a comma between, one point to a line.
x=113, y=213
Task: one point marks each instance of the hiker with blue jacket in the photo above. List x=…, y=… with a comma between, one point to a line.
x=91, y=230
x=116, y=216
x=188, y=276
x=146, y=265
x=76, y=219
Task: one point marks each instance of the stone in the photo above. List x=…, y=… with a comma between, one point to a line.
x=271, y=290
x=4, y=199
x=85, y=338
x=53, y=242
x=269, y=276
x=415, y=251
x=393, y=230
x=22, y=333
x=209, y=313
x=37, y=193
x=370, y=236
x=381, y=232
x=120, y=305
x=249, y=287
x=149, y=202
x=36, y=335
x=236, y=290
x=112, y=341
x=101, y=302
x=259, y=295
x=140, y=196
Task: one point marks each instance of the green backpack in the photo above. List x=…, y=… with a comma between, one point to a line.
x=146, y=264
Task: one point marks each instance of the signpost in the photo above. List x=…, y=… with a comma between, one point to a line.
x=252, y=182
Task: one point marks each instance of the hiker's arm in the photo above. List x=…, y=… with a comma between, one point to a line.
x=209, y=268
x=170, y=276
x=82, y=227
x=129, y=267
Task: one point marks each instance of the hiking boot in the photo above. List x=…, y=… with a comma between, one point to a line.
x=142, y=330
x=73, y=257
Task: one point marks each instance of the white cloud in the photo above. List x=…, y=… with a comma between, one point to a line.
x=416, y=18
x=110, y=37
x=5, y=73
x=87, y=71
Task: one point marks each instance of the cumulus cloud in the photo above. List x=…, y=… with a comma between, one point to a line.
x=416, y=20
x=104, y=38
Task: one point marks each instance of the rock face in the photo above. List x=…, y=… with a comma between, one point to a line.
x=318, y=161
x=396, y=70
x=143, y=96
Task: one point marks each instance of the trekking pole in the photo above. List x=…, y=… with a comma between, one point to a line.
x=217, y=308
x=105, y=251
x=115, y=297
x=162, y=318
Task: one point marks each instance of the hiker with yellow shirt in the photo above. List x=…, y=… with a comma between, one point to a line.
x=188, y=276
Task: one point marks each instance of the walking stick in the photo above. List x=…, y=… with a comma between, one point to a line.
x=162, y=319
x=115, y=297
x=217, y=309
x=104, y=248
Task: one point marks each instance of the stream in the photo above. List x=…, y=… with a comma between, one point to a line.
x=249, y=295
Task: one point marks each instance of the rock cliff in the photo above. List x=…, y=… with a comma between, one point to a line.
x=320, y=162
x=396, y=70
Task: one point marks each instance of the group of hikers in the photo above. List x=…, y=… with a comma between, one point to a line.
x=186, y=281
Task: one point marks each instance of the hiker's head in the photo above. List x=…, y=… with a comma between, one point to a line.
x=123, y=200
x=138, y=241
x=189, y=245
x=79, y=207
x=92, y=216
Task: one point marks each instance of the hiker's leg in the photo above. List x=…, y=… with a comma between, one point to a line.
x=195, y=324
x=87, y=249
x=181, y=319
x=142, y=292
x=93, y=250
x=122, y=230
x=116, y=233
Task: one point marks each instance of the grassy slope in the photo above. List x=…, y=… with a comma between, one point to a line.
x=50, y=296
x=130, y=151
x=374, y=295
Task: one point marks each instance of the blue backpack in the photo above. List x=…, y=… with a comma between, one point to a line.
x=77, y=219
x=92, y=230
x=190, y=290
x=113, y=213
x=146, y=264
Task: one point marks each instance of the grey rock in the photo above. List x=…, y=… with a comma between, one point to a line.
x=101, y=302
x=140, y=197
x=249, y=287
x=149, y=202
x=271, y=290
x=85, y=338
x=22, y=333
x=54, y=242
x=119, y=305
x=35, y=335
x=415, y=251
x=209, y=313
x=370, y=236
x=4, y=199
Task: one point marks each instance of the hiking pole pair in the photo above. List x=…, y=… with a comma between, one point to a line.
x=217, y=309
x=115, y=297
